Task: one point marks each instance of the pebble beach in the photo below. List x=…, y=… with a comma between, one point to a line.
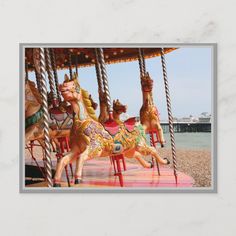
x=196, y=163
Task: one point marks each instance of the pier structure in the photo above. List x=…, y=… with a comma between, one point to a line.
x=181, y=127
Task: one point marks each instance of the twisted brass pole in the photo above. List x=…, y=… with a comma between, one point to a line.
x=105, y=81
x=38, y=81
x=54, y=68
x=48, y=163
x=70, y=65
x=50, y=76
x=143, y=60
x=140, y=61
x=26, y=71
x=76, y=64
x=170, y=117
x=98, y=73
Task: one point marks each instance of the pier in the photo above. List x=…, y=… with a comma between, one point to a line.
x=181, y=127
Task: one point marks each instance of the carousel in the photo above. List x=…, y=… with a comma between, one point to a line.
x=81, y=150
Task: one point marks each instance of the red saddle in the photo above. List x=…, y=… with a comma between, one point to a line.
x=112, y=127
x=130, y=123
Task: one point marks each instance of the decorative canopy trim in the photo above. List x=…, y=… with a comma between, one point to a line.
x=85, y=57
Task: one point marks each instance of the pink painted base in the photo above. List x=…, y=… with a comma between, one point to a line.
x=99, y=174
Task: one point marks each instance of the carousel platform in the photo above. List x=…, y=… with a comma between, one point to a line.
x=100, y=174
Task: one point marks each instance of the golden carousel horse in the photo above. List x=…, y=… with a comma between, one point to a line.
x=90, y=139
x=118, y=109
x=148, y=113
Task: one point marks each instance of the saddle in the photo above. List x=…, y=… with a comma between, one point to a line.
x=130, y=123
x=60, y=113
x=112, y=127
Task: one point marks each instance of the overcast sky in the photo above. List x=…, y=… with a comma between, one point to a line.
x=189, y=72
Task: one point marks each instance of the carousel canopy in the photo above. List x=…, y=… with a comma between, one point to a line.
x=83, y=57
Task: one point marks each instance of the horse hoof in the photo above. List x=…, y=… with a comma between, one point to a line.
x=78, y=181
x=151, y=164
x=56, y=185
x=167, y=161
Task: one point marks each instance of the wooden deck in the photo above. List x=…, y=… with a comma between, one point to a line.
x=100, y=174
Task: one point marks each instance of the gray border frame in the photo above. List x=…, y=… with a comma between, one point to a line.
x=212, y=189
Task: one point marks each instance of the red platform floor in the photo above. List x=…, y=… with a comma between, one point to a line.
x=100, y=174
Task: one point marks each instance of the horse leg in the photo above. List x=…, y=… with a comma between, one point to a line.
x=142, y=161
x=160, y=134
x=64, y=161
x=138, y=156
x=153, y=152
x=79, y=166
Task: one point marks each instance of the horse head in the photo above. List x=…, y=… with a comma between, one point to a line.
x=32, y=95
x=146, y=83
x=70, y=89
x=118, y=107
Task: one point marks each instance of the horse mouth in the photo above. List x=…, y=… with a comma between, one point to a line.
x=64, y=91
x=121, y=110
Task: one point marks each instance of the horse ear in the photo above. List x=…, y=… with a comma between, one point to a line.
x=66, y=78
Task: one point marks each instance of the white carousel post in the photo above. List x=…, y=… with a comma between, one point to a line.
x=170, y=117
x=39, y=61
x=105, y=81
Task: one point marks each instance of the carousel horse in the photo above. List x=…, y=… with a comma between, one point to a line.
x=33, y=113
x=64, y=112
x=34, y=116
x=118, y=109
x=148, y=113
x=90, y=139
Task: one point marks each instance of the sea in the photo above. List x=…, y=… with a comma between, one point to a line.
x=189, y=140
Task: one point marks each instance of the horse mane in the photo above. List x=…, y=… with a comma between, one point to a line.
x=88, y=104
x=35, y=91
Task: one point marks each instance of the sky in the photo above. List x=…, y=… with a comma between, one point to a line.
x=189, y=71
